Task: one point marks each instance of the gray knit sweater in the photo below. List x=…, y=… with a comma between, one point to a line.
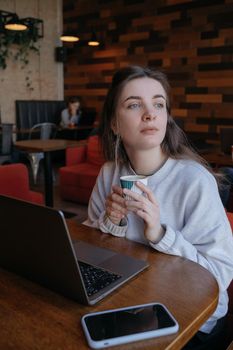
x=191, y=212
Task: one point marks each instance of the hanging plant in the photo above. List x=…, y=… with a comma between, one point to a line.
x=17, y=46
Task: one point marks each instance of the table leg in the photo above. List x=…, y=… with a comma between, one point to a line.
x=48, y=179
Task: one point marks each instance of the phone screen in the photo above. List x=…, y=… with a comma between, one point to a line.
x=128, y=321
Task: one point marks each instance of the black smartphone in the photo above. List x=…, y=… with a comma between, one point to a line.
x=125, y=325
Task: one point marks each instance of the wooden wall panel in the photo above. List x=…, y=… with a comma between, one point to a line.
x=190, y=40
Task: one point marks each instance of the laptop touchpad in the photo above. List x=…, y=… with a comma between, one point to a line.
x=90, y=253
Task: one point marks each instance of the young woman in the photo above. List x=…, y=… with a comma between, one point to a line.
x=71, y=115
x=180, y=211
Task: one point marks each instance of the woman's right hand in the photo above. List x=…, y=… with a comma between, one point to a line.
x=115, y=205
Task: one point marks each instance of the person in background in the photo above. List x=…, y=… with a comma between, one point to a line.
x=180, y=212
x=71, y=115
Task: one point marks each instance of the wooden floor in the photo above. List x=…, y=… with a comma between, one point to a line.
x=79, y=211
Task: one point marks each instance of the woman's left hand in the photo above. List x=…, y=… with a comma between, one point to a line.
x=147, y=208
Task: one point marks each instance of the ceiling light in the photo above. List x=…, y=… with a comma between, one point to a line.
x=10, y=21
x=93, y=41
x=69, y=36
x=15, y=24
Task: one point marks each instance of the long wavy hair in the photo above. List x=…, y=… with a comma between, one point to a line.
x=175, y=143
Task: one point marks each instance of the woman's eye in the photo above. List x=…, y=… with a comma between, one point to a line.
x=159, y=105
x=134, y=106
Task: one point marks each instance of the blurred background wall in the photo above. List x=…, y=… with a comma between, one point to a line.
x=192, y=41
x=42, y=77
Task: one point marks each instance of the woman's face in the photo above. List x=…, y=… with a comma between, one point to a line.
x=141, y=114
x=74, y=105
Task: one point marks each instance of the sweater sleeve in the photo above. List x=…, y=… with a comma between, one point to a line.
x=206, y=236
x=97, y=216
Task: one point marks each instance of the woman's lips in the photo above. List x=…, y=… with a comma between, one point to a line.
x=149, y=131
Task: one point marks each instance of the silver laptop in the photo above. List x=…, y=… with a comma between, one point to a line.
x=35, y=243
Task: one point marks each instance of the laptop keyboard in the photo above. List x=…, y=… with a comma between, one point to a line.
x=96, y=278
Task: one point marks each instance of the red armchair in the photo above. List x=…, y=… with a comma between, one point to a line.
x=230, y=314
x=78, y=177
x=14, y=182
x=229, y=325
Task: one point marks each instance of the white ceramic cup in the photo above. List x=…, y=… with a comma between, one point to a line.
x=129, y=182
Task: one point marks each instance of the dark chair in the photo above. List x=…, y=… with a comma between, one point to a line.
x=226, y=188
x=226, y=140
x=43, y=131
x=32, y=112
x=6, y=143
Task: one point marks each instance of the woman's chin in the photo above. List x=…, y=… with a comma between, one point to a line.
x=144, y=146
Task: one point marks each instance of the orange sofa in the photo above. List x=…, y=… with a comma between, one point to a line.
x=77, y=178
x=14, y=182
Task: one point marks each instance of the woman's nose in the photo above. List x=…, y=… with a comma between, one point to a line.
x=149, y=114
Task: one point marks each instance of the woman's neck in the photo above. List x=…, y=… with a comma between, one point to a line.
x=147, y=162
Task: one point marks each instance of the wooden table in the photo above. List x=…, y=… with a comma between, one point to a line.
x=230, y=347
x=27, y=131
x=76, y=127
x=32, y=317
x=46, y=146
x=75, y=132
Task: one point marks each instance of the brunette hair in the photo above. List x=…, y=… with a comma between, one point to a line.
x=175, y=143
x=73, y=99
